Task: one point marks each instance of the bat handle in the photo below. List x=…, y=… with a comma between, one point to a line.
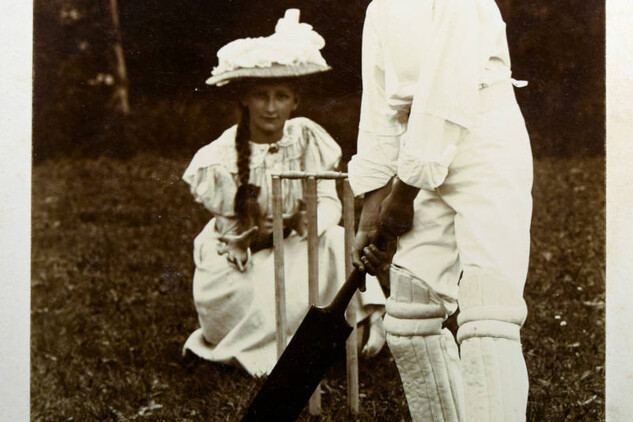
x=345, y=294
x=356, y=280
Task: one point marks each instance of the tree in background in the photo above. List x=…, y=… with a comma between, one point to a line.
x=80, y=83
x=170, y=47
x=121, y=92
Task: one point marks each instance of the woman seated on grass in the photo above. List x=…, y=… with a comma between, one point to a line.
x=233, y=284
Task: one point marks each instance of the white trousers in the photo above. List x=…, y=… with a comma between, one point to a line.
x=479, y=218
x=477, y=222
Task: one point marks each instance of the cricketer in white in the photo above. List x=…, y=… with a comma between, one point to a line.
x=445, y=164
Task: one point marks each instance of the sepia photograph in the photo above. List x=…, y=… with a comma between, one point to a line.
x=387, y=210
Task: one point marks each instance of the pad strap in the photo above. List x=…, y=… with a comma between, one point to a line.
x=488, y=328
x=490, y=306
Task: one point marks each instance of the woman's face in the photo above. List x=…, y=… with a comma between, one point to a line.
x=269, y=106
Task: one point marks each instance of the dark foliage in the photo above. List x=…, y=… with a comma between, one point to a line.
x=170, y=49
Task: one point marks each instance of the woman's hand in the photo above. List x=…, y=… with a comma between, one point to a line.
x=236, y=247
x=296, y=221
x=264, y=237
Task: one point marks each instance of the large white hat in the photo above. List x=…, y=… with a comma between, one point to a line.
x=293, y=50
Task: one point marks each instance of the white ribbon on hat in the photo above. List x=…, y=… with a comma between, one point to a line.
x=293, y=43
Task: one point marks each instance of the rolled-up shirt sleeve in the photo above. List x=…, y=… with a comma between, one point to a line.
x=428, y=148
x=381, y=125
x=420, y=88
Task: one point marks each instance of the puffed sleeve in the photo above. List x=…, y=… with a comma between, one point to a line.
x=381, y=125
x=323, y=154
x=210, y=182
x=322, y=151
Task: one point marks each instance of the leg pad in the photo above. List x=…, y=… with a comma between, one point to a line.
x=492, y=312
x=426, y=356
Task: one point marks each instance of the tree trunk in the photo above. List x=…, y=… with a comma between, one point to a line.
x=122, y=84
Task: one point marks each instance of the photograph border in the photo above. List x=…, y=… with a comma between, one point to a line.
x=15, y=213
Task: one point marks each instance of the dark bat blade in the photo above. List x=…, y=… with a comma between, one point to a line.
x=318, y=343
x=301, y=367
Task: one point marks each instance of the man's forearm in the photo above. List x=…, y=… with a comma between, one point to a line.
x=396, y=211
x=403, y=192
x=371, y=208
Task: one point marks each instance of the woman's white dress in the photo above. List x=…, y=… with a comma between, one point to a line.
x=236, y=310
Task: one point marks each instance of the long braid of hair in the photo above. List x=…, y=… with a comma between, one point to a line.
x=243, y=147
x=246, y=207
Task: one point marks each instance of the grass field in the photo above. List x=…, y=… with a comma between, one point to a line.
x=112, y=306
